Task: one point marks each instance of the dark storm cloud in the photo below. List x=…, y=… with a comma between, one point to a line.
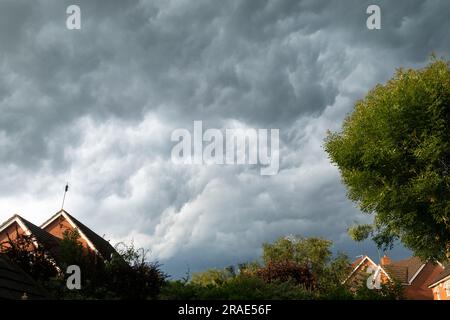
x=97, y=106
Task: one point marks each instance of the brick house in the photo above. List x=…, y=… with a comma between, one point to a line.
x=14, y=282
x=441, y=285
x=415, y=275
x=16, y=226
x=62, y=221
x=49, y=234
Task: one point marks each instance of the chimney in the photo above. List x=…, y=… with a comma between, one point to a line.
x=385, y=260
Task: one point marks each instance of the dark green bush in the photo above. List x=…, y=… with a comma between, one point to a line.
x=237, y=288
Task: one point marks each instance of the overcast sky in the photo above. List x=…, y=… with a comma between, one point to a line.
x=96, y=107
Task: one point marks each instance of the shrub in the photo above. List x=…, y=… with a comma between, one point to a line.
x=238, y=288
x=284, y=271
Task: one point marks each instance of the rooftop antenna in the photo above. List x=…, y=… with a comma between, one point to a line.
x=66, y=188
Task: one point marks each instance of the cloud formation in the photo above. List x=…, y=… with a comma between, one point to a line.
x=97, y=107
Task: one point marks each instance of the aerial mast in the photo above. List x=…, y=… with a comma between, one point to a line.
x=66, y=188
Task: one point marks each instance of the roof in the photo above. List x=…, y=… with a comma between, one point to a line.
x=14, y=282
x=42, y=237
x=443, y=275
x=412, y=266
x=398, y=272
x=357, y=262
x=405, y=270
x=360, y=262
x=51, y=242
x=103, y=246
x=100, y=244
x=5, y=224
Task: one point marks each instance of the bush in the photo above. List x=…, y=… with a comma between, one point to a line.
x=388, y=291
x=284, y=271
x=212, y=277
x=240, y=287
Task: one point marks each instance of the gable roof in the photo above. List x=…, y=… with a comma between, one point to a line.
x=360, y=262
x=357, y=262
x=10, y=221
x=14, y=282
x=405, y=270
x=398, y=272
x=42, y=237
x=95, y=242
x=444, y=275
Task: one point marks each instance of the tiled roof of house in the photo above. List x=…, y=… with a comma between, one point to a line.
x=48, y=240
x=103, y=246
x=412, y=265
x=400, y=273
x=16, y=284
x=51, y=242
x=404, y=270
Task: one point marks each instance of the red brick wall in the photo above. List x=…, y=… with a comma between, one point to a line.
x=10, y=231
x=59, y=226
x=440, y=293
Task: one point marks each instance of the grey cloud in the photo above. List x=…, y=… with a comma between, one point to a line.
x=97, y=106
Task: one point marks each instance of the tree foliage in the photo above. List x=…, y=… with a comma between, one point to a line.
x=34, y=260
x=389, y=291
x=293, y=268
x=394, y=157
x=313, y=252
x=240, y=287
x=287, y=270
x=212, y=277
x=360, y=232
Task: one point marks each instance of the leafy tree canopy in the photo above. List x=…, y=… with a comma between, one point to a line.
x=314, y=252
x=394, y=157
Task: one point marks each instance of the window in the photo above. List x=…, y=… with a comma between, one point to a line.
x=447, y=288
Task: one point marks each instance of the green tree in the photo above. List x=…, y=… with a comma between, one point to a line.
x=394, y=157
x=241, y=287
x=313, y=252
x=360, y=232
x=212, y=277
x=34, y=259
x=389, y=291
x=288, y=270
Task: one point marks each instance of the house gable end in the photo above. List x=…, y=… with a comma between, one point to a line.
x=61, y=223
